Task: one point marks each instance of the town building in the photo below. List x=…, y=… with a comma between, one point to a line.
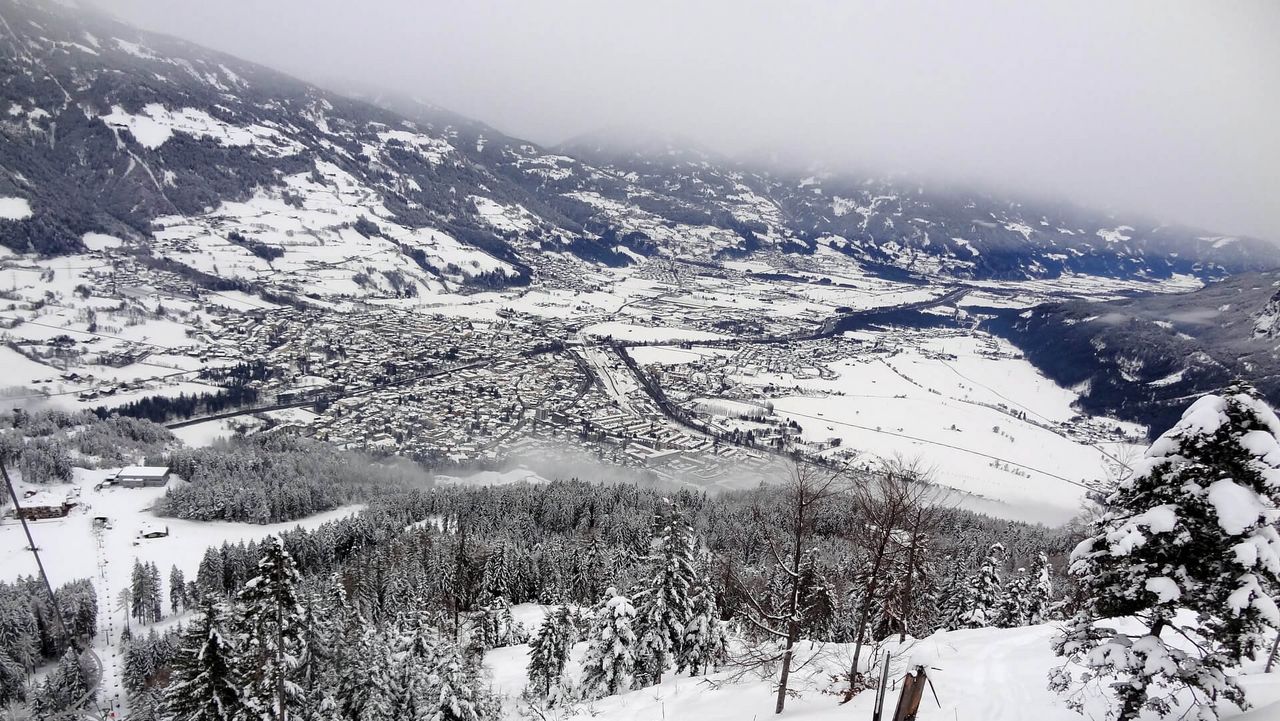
x=143, y=476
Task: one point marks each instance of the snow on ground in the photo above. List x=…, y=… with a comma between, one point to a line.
x=75, y=547
x=156, y=124
x=990, y=674
x=670, y=355
x=100, y=241
x=207, y=433
x=12, y=208
x=957, y=403
x=67, y=543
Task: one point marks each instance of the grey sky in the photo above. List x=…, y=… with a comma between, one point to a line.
x=1165, y=107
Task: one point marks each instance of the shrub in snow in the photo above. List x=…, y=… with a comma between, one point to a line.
x=1194, y=529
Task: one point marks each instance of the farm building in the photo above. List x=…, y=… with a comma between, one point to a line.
x=45, y=505
x=142, y=476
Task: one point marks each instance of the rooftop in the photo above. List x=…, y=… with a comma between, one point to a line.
x=143, y=471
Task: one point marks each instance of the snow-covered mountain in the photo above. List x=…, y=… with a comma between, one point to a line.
x=245, y=174
x=1141, y=358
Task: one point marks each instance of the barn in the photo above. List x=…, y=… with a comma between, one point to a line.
x=143, y=476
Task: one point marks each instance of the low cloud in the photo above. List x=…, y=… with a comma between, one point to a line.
x=1165, y=108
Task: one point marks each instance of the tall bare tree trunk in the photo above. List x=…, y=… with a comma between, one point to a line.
x=793, y=608
x=905, y=609
x=864, y=611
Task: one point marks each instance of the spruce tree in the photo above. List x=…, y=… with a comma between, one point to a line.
x=271, y=645
x=314, y=669
x=984, y=591
x=139, y=604
x=953, y=600
x=209, y=577
x=549, y=654
x=362, y=691
x=1192, y=530
x=410, y=685
x=455, y=684
x=155, y=593
x=177, y=591
x=705, y=644
x=609, y=665
x=202, y=685
x=662, y=606
x=62, y=688
x=1012, y=610
x=1040, y=605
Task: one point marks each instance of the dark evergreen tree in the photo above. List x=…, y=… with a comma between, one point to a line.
x=177, y=591
x=202, y=686
x=548, y=655
x=270, y=639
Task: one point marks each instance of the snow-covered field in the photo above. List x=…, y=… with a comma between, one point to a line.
x=984, y=420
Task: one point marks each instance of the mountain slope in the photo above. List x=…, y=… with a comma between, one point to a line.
x=1143, y=358
x=108, y=129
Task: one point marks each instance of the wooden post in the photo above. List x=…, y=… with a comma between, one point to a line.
x=912, y=692
x=882, y=691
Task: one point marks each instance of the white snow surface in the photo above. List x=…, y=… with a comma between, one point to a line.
x=156, y=124
x=990, y=674
x=12, y=208
x=1238, y=508
x=1165, y=588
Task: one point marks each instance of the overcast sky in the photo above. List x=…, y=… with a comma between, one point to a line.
x=1168, y=108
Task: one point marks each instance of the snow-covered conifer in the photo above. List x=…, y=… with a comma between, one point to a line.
x=609, y=665
x=984, y=591
x=1040, y=604
x=705, y=644
x=456, y=697
x=548, y=655
x=1193, y=529
x=177, y=591
x=1012, y=610
x=662, y=606
x=271, y=647
x=202, y=684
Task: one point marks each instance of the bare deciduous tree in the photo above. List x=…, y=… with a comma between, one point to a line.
x=895, y=509
x=787, y=530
